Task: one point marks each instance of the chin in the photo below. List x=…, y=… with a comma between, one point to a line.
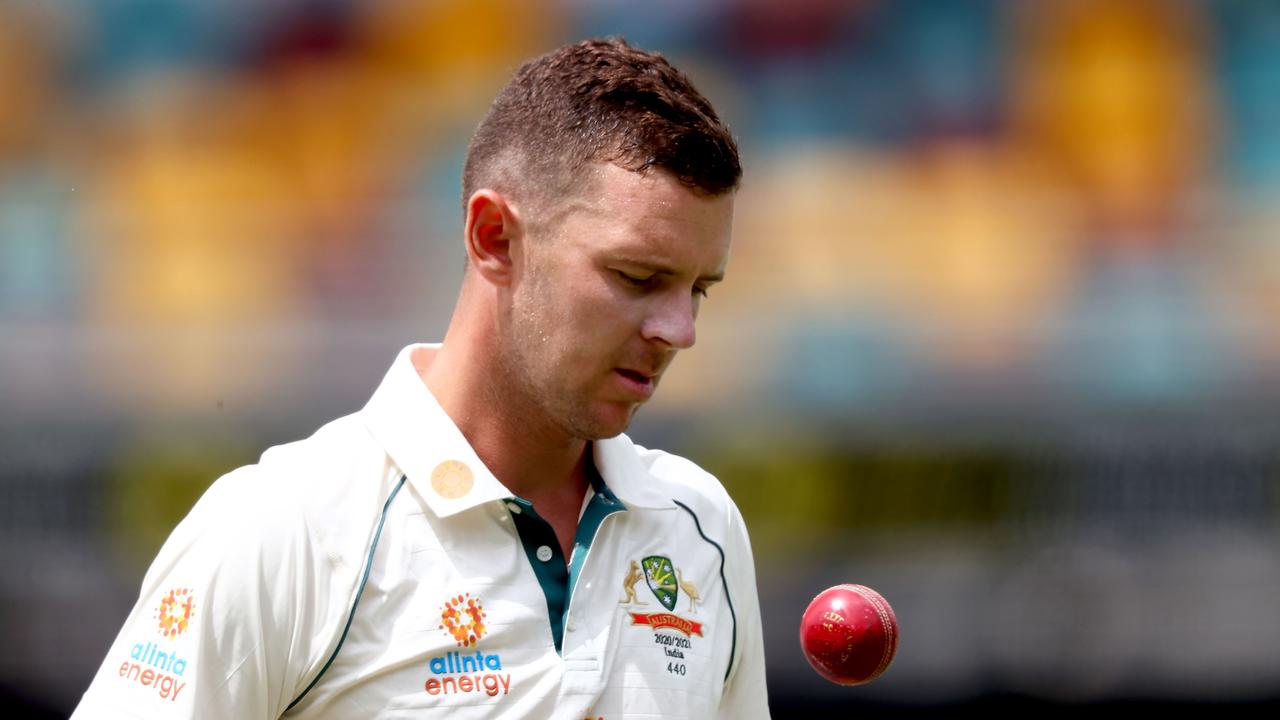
x=603, y=425
x=602, y=431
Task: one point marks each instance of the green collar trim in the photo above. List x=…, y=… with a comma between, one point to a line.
x=555, y=576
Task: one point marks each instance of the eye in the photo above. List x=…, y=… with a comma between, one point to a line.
x=701, y=291
x=639, y=281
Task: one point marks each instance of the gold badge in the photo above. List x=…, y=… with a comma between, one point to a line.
x=452, y=479
x=629, y=585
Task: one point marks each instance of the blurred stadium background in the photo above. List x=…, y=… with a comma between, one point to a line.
x=997, y=336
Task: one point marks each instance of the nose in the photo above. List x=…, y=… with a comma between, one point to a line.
x=671, y=320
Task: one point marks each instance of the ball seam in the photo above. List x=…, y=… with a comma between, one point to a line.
x=886, y=624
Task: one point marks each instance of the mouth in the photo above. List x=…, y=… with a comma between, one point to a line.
x=636, y=383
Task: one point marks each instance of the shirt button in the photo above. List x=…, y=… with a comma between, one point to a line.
x=513, y=508
x=571, y=626
x=544, y=553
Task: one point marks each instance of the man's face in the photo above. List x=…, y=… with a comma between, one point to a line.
x=607, y=293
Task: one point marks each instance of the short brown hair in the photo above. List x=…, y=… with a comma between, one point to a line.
x=599, y=101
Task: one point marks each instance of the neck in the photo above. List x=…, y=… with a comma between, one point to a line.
x=532, y=458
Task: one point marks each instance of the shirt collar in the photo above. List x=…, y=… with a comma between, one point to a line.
x=619, y=464
x=422, y=440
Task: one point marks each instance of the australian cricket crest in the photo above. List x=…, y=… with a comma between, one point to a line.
x=666, y=581
x=661, y=577
x=674, y=635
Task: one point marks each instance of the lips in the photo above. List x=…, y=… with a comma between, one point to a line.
x=636, y=375
x=636, y=383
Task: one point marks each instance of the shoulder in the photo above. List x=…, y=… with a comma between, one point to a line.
x=326, y=462
x=681, y=473
x=268, y=561
x=690, y=486
x=325, y=489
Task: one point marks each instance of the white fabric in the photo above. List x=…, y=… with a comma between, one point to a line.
x=266, y=568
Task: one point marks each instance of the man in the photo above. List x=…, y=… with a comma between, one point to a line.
x=456, y=547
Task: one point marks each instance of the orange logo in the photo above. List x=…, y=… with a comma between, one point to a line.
x=175, y=612
x=462, y=618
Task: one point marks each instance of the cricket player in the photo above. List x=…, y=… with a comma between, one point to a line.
x=481, y=540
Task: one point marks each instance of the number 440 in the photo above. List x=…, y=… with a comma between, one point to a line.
x=675, y=668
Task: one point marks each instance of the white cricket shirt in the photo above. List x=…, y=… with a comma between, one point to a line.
x=378, y=569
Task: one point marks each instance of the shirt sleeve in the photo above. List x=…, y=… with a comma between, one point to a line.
x=234, y=616
x=745, y=695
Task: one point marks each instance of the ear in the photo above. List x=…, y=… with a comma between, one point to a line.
x=492, y=228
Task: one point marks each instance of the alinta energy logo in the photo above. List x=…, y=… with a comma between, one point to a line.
x=462, y=619
x=175, y=612
x=156, y=666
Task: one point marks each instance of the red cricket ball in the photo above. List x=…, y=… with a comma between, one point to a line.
x=849, y=634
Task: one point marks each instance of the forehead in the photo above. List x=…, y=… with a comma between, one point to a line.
x=651, y=216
